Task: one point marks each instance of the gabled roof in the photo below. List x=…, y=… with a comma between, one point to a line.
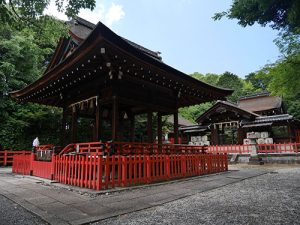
x=263, y=120
x=260, y=102
x=181, y=121
x=95, y=55
x=80, y=29
x=224, y=106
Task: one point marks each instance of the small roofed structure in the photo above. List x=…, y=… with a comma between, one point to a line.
x=99, y=75
x=229, y=123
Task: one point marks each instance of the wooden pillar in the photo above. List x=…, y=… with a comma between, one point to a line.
x=74, y=124
x=132, y=128
x=240, y=135
x=98, y=121
x=291, y=133
x=159, y=128
x=214, y=135
x=149, y=127
x=176, y=127
x=63, y=128
x=115, y=119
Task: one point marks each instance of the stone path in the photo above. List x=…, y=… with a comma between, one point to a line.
x=58, y=205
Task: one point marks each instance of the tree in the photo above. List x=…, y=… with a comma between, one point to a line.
x=23, y=57
x=19, y=11
x=280, y=14
x=257, y=84
x=209, y=78
x=225, y=80
x=232, y=81
x=282, y=79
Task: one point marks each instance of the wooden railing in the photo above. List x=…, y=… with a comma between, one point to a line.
x=44, y=147
x=22, y=164
x=130, y=148
x=103, y=172
x=107, y=165
x=231, y=149
x=293, y=148
x=6, y=156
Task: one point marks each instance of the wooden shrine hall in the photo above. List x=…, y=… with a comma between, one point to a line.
x=96, y=74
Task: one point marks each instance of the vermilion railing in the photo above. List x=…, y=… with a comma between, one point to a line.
x=22, y=164
x=103, y=172
x=6, y=156
x=130, y=148
x=98, y=172
x=231, y=149
x=45, y=147
x=293, y=148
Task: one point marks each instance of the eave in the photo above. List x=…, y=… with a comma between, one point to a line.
x=102, y=45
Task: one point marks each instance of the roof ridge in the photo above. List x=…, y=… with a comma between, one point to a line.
x=254, y=95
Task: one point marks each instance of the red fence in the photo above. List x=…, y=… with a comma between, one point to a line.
x=27, y=165
x=103, y=172
x=231, y=149
x=97, y=172
x=292, y=148
x=6, y=156
x=43, y=169
x=131, y=148
x=22, y=164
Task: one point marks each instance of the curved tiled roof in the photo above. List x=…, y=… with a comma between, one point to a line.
x=82, y=28
x=46, y=89
x=260, y=103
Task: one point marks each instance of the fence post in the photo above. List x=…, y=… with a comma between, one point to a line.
x=124, y=171
x=183, y=165
x=148, y=169
x=52, y=166
x=226, y=162
x=5, y=157
x=31, y=163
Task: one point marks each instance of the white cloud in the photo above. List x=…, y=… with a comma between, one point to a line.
x=114, y=14
x=108, y=16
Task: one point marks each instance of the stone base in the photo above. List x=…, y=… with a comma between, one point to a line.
x=255, y=160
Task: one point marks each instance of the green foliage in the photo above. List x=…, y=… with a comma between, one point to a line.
x=193, y=112
x=231, y=81
x=23, y=54
x=282, y=79
x=257, y=84
x=280, y=14
x=20, y=12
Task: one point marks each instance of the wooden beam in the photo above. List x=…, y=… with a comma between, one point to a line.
x=115, y=119
x=149, y=127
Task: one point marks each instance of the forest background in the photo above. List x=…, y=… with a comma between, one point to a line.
x=28, y=39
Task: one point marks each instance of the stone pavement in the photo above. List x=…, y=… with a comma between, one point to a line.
x=57, y=204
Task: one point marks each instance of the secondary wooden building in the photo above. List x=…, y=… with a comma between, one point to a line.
x=99, y=75
x=226, y=123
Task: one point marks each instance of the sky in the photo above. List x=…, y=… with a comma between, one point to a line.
x=186, y=35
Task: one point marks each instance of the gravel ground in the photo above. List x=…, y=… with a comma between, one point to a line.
x=273, y=198
x=13, y=214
